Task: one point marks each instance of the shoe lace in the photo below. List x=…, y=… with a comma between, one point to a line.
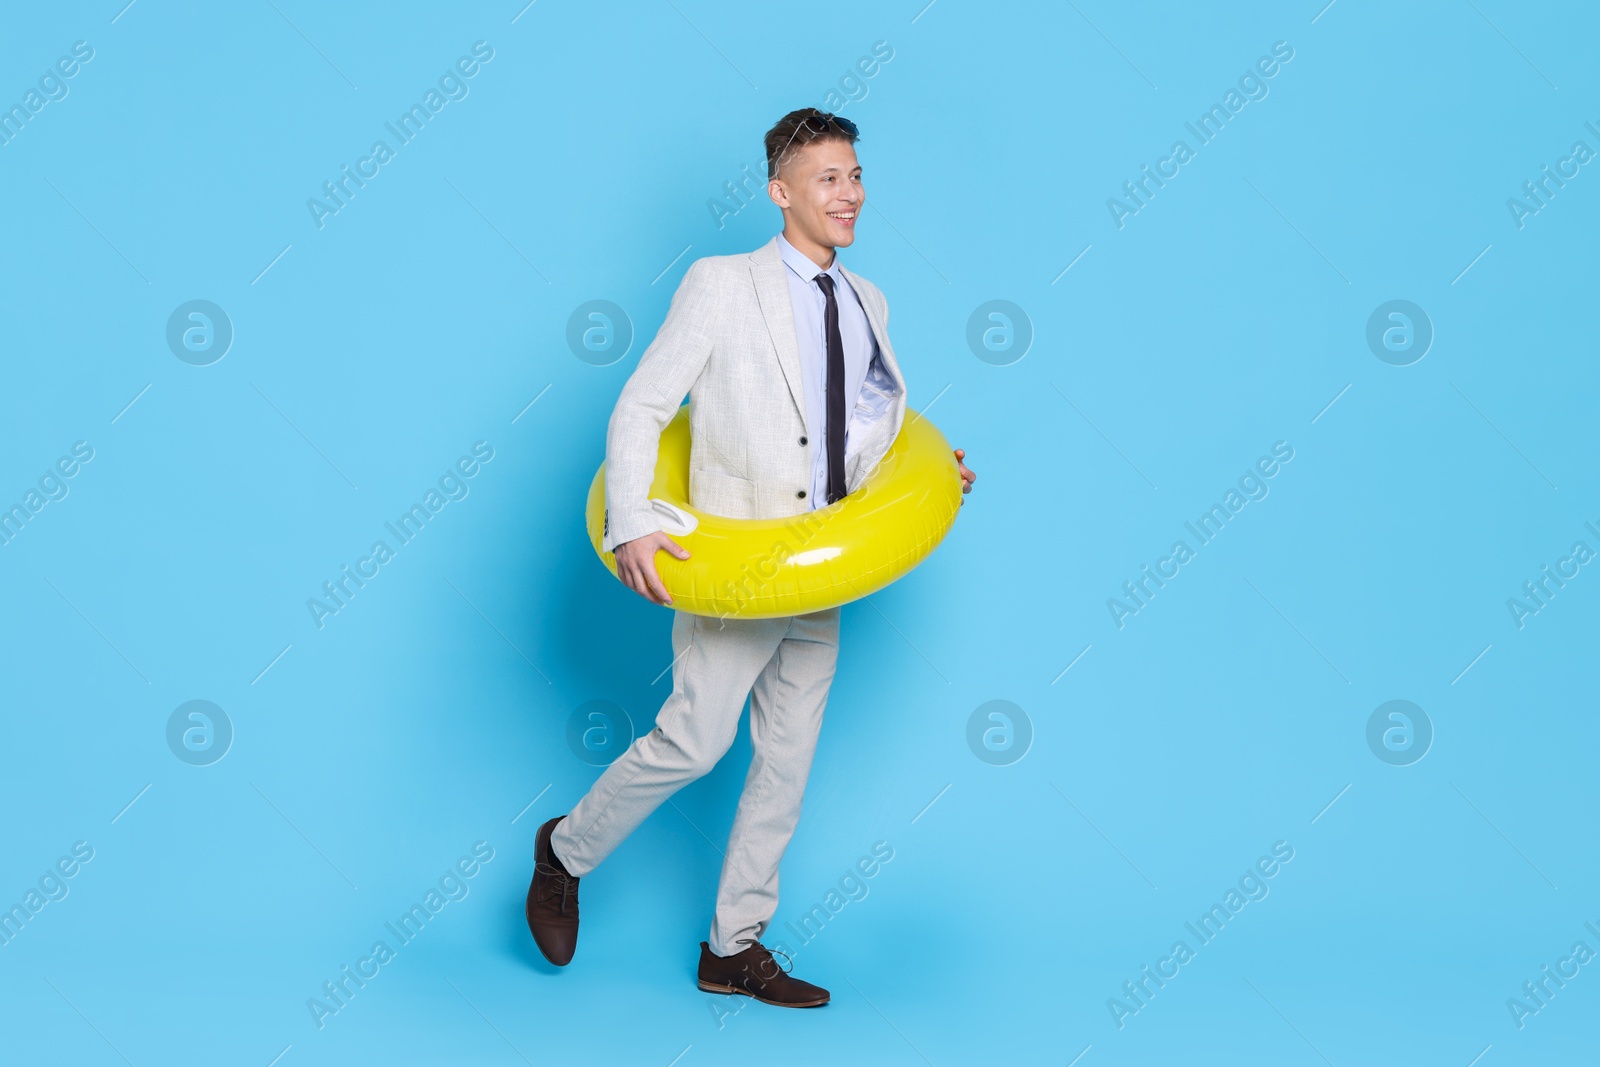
x=763, y=950
x=560, y=882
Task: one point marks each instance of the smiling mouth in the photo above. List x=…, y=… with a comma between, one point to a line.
x=844, y=218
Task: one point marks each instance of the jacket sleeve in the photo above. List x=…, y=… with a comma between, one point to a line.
x=666, y=372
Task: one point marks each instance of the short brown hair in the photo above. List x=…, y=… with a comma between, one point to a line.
x=803, y=127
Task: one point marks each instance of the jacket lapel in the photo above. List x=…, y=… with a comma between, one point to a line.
x=881, y=435
x=772, y=291
x=869, y=304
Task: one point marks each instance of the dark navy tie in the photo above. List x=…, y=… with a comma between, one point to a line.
x=835, y=416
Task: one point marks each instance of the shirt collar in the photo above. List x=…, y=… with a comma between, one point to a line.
x=804, y=266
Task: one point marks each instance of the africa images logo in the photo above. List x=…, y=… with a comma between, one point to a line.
x=453, y=485
x=338, y=193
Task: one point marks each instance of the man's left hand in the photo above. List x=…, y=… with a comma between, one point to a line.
x=967, y=477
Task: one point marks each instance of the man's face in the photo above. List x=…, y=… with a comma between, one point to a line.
x=820, y=189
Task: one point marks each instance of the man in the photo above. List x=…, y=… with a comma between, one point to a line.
x=794, y=397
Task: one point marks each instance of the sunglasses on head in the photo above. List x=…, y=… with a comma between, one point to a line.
x=818, y=125
x=821, y=123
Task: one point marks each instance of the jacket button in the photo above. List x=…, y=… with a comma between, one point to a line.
x=801, y=494
x=802, y=440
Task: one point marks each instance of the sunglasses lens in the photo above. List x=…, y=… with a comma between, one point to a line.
x=823, y=123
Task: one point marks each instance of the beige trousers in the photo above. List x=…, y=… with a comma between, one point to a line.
x=785, y=667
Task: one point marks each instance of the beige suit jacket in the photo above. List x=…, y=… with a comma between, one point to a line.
x=729, y=342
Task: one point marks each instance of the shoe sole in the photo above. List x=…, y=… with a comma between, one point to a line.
x=712, y=987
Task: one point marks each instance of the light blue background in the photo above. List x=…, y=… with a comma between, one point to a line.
x=1227, y=715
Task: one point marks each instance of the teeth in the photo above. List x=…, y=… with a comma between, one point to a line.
x=846, y=215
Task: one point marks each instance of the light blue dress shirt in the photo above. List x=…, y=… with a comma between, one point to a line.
x=861, y=358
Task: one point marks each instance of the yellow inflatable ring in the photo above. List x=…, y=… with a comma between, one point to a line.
x=766, y=568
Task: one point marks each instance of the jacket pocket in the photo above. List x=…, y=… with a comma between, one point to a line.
x=878, y=393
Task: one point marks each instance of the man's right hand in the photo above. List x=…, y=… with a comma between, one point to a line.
x=636, y=565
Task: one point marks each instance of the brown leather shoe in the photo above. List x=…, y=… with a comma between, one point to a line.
x=552, y=905
x=755, y=973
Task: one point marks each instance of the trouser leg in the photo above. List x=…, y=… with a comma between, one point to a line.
x=715, y=662
x=786, y=709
